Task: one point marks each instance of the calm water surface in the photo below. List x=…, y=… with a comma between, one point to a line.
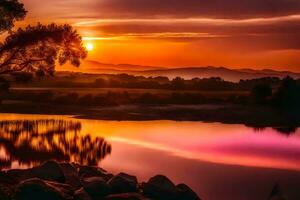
x=219, y=161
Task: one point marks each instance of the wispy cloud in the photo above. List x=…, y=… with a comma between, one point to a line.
x=211, y=21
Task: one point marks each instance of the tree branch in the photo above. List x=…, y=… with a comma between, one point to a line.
x=10, y=58
x=21, y=65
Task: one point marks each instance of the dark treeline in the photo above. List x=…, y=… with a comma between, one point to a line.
x=269, y=91
x=178, y=83
x=111, y=98
x=284, y=94
x=140, y=82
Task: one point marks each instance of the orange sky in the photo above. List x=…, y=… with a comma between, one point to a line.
x=231, y=33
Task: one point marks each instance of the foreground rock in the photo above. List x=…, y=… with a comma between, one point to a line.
x=185, y=192
x=51, y=171
x=96, y=187
x=81, y=194
x=126, y=196
x=69, y=181
x=38, y=189
x=161, y=188
x=123, y=183
x=71, y=176
x=87, y=171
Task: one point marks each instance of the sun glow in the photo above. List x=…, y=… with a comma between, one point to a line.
x=89, y=46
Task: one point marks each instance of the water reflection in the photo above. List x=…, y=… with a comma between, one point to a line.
x=219, y=161
x=30, y=142
x=288, y=130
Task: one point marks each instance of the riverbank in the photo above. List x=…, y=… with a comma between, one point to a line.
x=253, y=116
x=70, y=181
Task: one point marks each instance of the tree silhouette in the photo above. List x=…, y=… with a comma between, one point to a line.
x=177, y=83
x=36, y=48
x=39, y=47
x=10, y=11
x=261, y=92
x=287, y=96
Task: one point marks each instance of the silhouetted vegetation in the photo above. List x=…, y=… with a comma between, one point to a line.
x=265, y=91
x=11, y=11
x=74, y=80
x=261, y=92
x=178, y=83
x=141, y=82
x=35, y=48
x=287, y=97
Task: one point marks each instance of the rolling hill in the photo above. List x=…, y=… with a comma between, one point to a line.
x=185, y=72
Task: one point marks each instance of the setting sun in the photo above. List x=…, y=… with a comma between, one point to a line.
x=89, y=46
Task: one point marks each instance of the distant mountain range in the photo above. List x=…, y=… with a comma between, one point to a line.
x=94, y=65
x=185, y=72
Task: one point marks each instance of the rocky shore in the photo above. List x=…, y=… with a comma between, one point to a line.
x=70, y=181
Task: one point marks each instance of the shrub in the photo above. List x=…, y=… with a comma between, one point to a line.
x=261, y=92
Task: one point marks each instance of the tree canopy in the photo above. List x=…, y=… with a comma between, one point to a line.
x=36, y=48
x=39, y=47
x=10, y=11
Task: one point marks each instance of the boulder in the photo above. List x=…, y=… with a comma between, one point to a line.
x=185, y=192
x=17, y=175
x=123, y=183
x=87, y=171
x=96, y=187
x=71, y=175
x=81, y=194
x=5, y=192
x=161, y=188
x=38, y=189
x=63, y=188
x=126, y=196
x=68, y=168
x=49, y=170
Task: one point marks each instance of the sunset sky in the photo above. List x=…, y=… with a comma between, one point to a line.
x=232, y=33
